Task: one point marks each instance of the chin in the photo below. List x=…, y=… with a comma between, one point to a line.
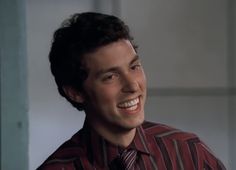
x=136, y=123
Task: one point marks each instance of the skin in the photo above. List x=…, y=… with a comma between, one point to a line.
x=115, y=78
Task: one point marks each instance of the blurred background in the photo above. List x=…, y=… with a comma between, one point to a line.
x=188, y=51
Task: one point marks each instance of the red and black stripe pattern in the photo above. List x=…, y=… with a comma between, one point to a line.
x=156, y=146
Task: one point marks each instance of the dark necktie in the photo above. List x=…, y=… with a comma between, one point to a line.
x=127, y=159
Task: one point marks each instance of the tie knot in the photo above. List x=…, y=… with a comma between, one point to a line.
x=128, y=158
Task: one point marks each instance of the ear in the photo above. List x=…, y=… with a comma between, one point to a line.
x=73, y=94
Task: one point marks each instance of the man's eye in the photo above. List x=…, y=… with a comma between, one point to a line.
x=109, y=77
x=136, y=67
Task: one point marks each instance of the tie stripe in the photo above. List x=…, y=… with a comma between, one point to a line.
x=128, y=158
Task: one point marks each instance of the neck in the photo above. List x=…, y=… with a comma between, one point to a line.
x=121, y=139
x=116, y=136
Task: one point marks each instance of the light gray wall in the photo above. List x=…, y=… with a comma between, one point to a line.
x=184, y=47
x=232, y=79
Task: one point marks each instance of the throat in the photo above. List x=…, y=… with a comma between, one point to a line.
x=122, y=139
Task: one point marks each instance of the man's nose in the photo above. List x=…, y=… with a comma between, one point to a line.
x=130, y=84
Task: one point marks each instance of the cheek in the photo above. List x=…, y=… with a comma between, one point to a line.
x=142, y=80
x=108, y=95
x=103, y=95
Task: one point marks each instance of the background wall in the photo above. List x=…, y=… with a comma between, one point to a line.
x=188, y=51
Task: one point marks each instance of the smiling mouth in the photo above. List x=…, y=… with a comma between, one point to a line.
x=129, y=105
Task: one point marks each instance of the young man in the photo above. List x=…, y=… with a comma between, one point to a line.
x=97, y=69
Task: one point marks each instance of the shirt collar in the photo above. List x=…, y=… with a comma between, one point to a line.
x=140, y=142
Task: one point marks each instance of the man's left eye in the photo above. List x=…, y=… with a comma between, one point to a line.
x=136, y=66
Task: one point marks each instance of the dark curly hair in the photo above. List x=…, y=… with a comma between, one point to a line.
x=79, y=35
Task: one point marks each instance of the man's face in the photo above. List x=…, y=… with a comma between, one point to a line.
x=115, y=90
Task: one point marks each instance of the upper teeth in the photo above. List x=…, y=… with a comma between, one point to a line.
x=129, y=103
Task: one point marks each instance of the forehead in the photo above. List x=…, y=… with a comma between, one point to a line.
x=112, y=55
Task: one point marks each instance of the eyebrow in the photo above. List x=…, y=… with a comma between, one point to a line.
x=112, y=69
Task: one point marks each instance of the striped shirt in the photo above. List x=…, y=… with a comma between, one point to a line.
x=159, y=147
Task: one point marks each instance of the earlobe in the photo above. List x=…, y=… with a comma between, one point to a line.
x=73, y=94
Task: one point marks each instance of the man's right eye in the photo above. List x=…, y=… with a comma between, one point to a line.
x=109, y=77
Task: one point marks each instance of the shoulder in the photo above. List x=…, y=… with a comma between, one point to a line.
x=158, y=130
x=65, y=156
x=57, y=165
x=187, y=146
